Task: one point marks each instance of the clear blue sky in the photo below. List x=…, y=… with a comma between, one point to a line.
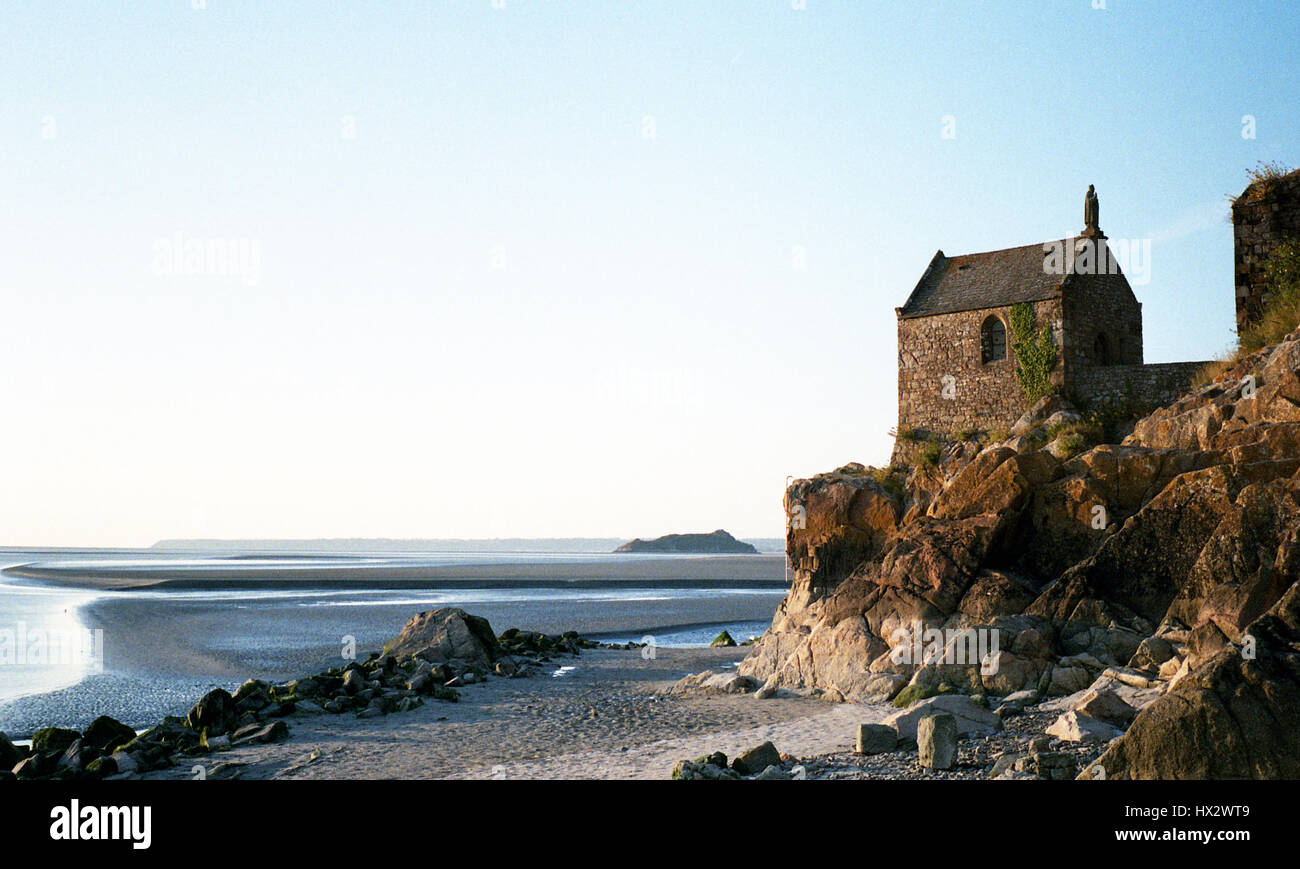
x=501, y=308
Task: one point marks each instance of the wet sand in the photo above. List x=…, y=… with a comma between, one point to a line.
x=670, y=572
x=163, y=651
x=161, y=637
x=600, y=720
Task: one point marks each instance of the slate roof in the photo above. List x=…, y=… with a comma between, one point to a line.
x=983, y=280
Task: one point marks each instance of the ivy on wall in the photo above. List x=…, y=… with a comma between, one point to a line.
x=1035, y=353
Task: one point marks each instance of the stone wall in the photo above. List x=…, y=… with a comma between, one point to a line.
x=980, y=396
x=1135, y=387
x=1265, y=215
x=1096, y=305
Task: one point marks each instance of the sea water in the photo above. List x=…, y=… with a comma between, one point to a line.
x=267, y=630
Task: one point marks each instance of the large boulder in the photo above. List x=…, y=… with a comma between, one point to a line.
x=107, y=734
x=757, y=759
x=214, y=712
x=995, y=484
x=51, y=739
x=447, y=636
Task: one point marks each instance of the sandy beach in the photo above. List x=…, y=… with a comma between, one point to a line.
x=169, y=636
x=600, y=720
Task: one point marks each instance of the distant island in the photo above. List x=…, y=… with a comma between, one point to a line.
x=718, y=541
x=442, y=546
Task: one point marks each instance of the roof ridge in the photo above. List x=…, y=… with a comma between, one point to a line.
x=1067, y=238
x=988, y=279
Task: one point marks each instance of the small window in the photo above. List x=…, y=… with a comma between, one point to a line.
x=993, y=340
x=1101, y=350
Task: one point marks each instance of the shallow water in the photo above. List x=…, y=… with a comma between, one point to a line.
x=162, y=648
x=693, y=636
x=43, y=645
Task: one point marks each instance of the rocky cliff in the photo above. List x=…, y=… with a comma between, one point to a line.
x=1167, y=561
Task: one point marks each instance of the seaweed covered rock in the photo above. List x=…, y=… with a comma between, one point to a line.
x=106, y=734
x=214, y=712
x=51, y=739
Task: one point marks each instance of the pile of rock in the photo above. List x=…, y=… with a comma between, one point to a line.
x=761, y=763
x=435, y=654
x=108, y=747
x=1038, y=762
x=60, y=753
x=540, y=646
x=932, y=726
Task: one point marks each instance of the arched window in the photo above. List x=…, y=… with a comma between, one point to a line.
x=993, y=340
x=1101, y=350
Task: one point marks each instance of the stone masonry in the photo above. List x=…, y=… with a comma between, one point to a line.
x=1266, y=214
x=943, y=387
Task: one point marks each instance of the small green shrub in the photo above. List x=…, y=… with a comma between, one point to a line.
x=1035, y=353
x=907, y=434
x=1282, y=313
x=911, y=694
x=1263, y=178
x=892, y=479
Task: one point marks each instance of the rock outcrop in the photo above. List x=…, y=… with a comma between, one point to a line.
x=1155, y=563
x=714, y=543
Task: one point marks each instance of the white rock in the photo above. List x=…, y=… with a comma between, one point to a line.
x=879, y=688
x=1073, y=727
x=728, y=683
x=971, y=718
x=1132, y=678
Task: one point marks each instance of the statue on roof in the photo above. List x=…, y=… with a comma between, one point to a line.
x=1091, y=213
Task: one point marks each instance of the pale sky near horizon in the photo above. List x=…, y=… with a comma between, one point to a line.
x=557, y=268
